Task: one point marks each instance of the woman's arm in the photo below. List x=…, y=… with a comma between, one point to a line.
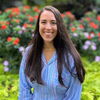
x=74, y=90
x=24, y=87
x=75, y=87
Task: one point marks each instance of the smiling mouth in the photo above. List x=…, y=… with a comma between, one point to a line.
x=48, y=32
x=48, y=36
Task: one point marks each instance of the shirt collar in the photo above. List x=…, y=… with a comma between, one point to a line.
x=53, y=58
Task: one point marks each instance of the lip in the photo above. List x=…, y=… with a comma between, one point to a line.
x=48, y=32
x=48, y=36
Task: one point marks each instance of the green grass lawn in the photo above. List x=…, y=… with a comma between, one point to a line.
x=91, y=86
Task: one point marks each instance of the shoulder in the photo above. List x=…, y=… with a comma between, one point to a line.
x=27, y=50
x=25, y=55
x=24, y=58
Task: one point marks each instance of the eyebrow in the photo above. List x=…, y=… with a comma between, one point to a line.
x=45, y=20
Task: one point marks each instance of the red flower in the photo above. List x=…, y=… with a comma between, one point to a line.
x=88, y=18
x=98, y=17
x=36, y=17
x=27, y=7
x=81, y=26
x=15, y=10
x=68, y=13
x=31, y=19
x=25, y=25
x=99, y=34
x=9, y=39
x=93, y=25
x=73, y=29
x=16, y=41
x=89, y=37
x=17, y=20
x=63, y=15
x=36, y=9
x=8, y=23
x=3, y=27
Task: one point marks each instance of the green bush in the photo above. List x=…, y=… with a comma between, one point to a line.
x=8, y=85
x=91, y=88
x=85, y=34
x=16, y=29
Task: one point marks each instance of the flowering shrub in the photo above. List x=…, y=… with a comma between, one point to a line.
x=85, y=34
x=68, y=18
x=17, y=27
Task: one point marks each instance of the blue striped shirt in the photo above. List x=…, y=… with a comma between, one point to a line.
x=52, y=90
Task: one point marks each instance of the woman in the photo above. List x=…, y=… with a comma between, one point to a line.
x=51, y=68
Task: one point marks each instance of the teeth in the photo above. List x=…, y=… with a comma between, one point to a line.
x=47, y=33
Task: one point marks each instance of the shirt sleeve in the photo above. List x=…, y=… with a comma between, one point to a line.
x=24, y=87
x=74, y=89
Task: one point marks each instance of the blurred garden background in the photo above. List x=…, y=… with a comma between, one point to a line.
x=17, y=23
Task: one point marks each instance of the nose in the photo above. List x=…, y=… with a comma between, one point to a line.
x=48, y=26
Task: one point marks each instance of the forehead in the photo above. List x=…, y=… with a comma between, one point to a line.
x=47, y=15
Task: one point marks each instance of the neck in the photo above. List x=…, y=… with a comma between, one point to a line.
x=49, y=46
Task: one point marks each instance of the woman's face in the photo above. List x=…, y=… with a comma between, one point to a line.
x=47, y=26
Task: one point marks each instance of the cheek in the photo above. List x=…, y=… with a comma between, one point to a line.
x=40, y=29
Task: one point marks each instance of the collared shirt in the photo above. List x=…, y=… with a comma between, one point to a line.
x=52, y=89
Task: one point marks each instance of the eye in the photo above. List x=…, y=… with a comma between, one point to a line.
x=53, y=23
x=43, y=22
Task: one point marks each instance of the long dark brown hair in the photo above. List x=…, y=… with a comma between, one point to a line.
x=63, y=46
